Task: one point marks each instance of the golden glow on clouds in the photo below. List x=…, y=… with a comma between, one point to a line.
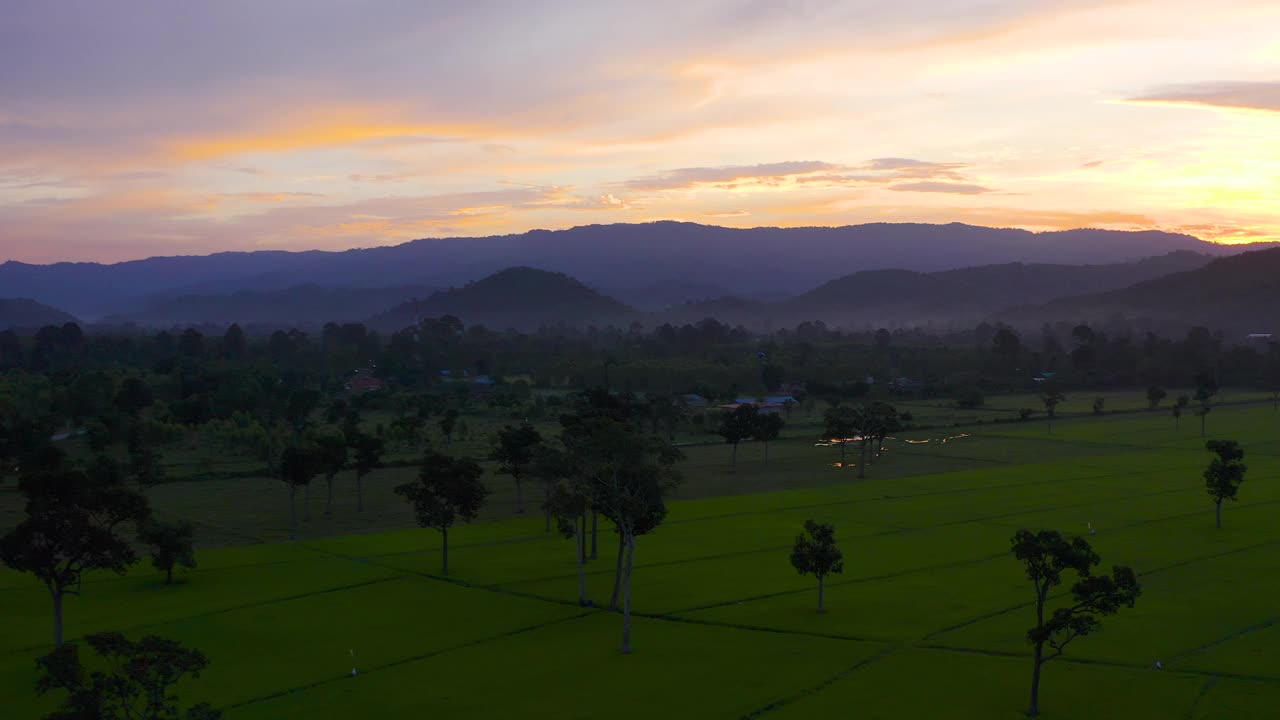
x=1042, y=114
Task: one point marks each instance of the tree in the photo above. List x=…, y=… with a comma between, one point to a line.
x=815, y=553
x=137, y=684
x=448, y=424
x=884, y=421
x=767, y=428
x=297, y=467
x=568, y=501
x=1179, y=406
x=331, y=459
x=72, y=523
x=1155, y=394
x=1225, y=473
x=737, y=425
x=1007, y=347
x=171, y=544
x=447, y=489
x=1204, y=395
x=368, y=457
x=1051, y=395
x=1098, y=403
x=133, y=396
x=514, y=450
x=234, y=343
x=839, y=427
x=1045, y=556
x=629, y=473
x=552, y=465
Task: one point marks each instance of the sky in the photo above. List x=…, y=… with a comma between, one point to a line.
x=135, y=128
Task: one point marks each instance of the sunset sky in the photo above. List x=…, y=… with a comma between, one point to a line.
x=132, y=128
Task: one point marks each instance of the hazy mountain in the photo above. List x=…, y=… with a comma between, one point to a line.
x=522, y=298
x=742, y=262
x=21, y=313
x=968, y=295
x=1239, y=294
x=301, y=306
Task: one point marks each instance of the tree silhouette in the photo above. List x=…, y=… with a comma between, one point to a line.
x=72, y=524
x=1179, y=407
x=514, y=450
x=1155, y=394
x=448, y=424
x=568, y=501
x=1045, y=556
x=368, y=457
x=136, y=684
x=839, y=425
x=737, y=425
x=1051, y=395
x=171, y=544
x=1225, y=473
x=815, y=553
x=447, y=490
x=297, y=467
x=331, y=459
x=767, y=428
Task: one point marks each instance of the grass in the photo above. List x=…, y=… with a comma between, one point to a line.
x=928, y=619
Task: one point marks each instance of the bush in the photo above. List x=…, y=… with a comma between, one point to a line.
x=1025, y=413
x=969, y=397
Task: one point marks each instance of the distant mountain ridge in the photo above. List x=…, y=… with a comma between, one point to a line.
x=25, y=314
x=1239, y=294
x=745, y=262
x=301, y=306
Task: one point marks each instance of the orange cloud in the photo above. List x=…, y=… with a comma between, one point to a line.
x=316, y=136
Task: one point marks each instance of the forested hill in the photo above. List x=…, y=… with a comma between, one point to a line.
x=21, y=313
x=954, y=297
x=522, y=298
x=745, y=262
x=1239, y=294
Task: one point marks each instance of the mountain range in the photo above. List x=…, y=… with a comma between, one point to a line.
x=24, y=314
x=634, y=261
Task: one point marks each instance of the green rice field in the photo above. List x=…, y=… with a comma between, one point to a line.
x=928, y=619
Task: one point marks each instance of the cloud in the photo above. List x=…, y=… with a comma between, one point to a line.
x=730, y=175
x=1262, y=96
x=727, y=214
x=1090, y=165
x=941, y=187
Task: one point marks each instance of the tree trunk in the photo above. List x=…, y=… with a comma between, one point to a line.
x=359, y=492
x=445, y=554
x=581, y=522
x=546, y=506
x=168, y=575
x=293, y=512
x=862, y=462
x=1177, y=422
x=821, y=609
x=57, y=617
x=328, y=503
x=580, y=551
x=842, y=446
x=519, y=496
x=1034, y=709
x=1203, y=418
x=617, y=574
x=733, y=458
x=306, y=502
x=1219, y=510
x=595, y=532
x=626, y=597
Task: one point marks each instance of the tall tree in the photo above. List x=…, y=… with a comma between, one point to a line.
x=569, y=500
x=172, y=543
x=368, y=457
x=552, y=465
x=885, y=421
x=1204, y=396
x=815, y=553
x=297, y=467
x=1051, y=395
x=1155, y=394
x=1225, y=473
x=1045, y=556
x=448, y=424
x=136, y=684
x=447, y=490
x=72, y=525
x=1179, y=406
x=767, y=428
x=331, y=457
x=514, y=449
x=234, y=343
x=737, y=425
x=839, y=425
